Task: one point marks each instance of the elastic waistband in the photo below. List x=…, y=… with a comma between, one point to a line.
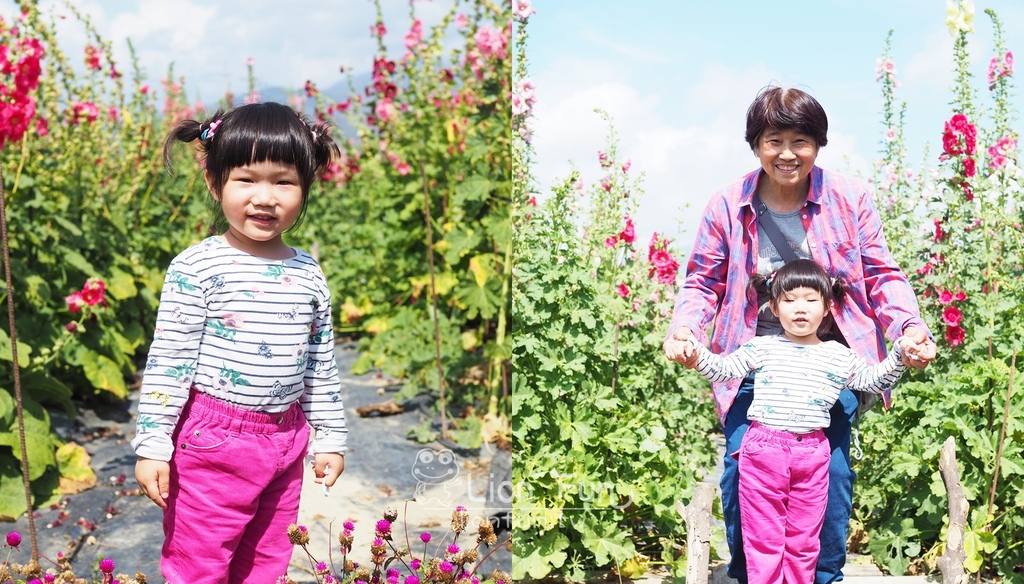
x=244, y=420
x=766, y=434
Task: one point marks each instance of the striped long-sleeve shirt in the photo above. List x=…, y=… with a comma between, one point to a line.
x=844, y=235
x=796, y=385
x=253, y=332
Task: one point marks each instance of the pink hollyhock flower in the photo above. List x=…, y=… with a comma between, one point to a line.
x=75, y=301
x=491, y=42
x=955, y=336
x=386, y=110
x=626, y=165
x=945, y=297
x=86, y=110
x=611, y=241
x=461, y=20
x=606, y=183
x=952, y=316
x=92, y=57
x=93, y=291
x=378, y=30
x=939, y=233
x=522, y=9
x=628, y=234
x=415, y=35
x=890, y=135
x=403, y=168
x=961, y=296
x=602, y=158
x=623, y=290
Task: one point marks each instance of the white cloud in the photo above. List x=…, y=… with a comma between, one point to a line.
x=687, y=145
x=208, y=42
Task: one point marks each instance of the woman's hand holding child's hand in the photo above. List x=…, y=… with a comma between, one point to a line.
x=682, y=348
x=154, y=477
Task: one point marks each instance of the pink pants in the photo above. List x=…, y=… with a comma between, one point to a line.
x=235, y=482
x=783, y=488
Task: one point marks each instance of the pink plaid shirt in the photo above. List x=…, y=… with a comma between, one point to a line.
x=844, y=235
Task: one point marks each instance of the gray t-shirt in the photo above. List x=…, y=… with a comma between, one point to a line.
x=769, y=260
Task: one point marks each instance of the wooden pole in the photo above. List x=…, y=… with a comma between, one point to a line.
x=951, y=563
x=698, y=532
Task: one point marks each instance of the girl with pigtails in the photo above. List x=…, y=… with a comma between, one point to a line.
x=797, y=378
x=241, y=369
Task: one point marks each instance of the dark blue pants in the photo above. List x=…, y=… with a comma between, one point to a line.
x=840, y=486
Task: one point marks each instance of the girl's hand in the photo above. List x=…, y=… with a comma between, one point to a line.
x=154, y=478
x=327, y=467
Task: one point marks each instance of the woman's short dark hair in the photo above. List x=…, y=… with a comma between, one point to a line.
x=776, y=108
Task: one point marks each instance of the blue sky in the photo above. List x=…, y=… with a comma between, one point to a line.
x=209, y=42
x=677, y=78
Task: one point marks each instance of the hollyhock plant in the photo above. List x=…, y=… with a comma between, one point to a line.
x=964, y=265
x=590, y=310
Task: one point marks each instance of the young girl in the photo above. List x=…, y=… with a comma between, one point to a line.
x=784, y=456
x=242, y=363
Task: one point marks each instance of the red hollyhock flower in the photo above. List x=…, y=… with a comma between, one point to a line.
x=93, y=291
x=629, y=233
x=955, y=336
x=623, y=290
x=952, y=316
x=75, y=301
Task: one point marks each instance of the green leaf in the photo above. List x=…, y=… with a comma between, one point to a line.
x=538, y=556
x=78, y=261
x=12, y=489
x=24, y=350
x=39, y=443
x=45, y=389
x=609, y=543
x=121, y=285
x=103, y=373
x=73, y=462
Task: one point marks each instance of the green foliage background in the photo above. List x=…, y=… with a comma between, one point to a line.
x=90, y=199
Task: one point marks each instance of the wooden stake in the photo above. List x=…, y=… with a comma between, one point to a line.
x=951, y=563
x=698, y=532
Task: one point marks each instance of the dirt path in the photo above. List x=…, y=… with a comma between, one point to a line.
x=113, y=520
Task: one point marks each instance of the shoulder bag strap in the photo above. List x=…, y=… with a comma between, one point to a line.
x=764, y=219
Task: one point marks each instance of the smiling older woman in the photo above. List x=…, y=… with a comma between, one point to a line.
x=789, y=208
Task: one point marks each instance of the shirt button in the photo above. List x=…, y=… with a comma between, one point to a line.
x=814, y=244
x=799, y=438
x=804, y=215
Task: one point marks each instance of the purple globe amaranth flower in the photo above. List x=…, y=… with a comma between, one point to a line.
x=107, y=566
x=14, y=539
x=411, y=579
x=424, y=537
x=348, y=525
x=383, y=526
x=447, y=567
x=453, y=548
